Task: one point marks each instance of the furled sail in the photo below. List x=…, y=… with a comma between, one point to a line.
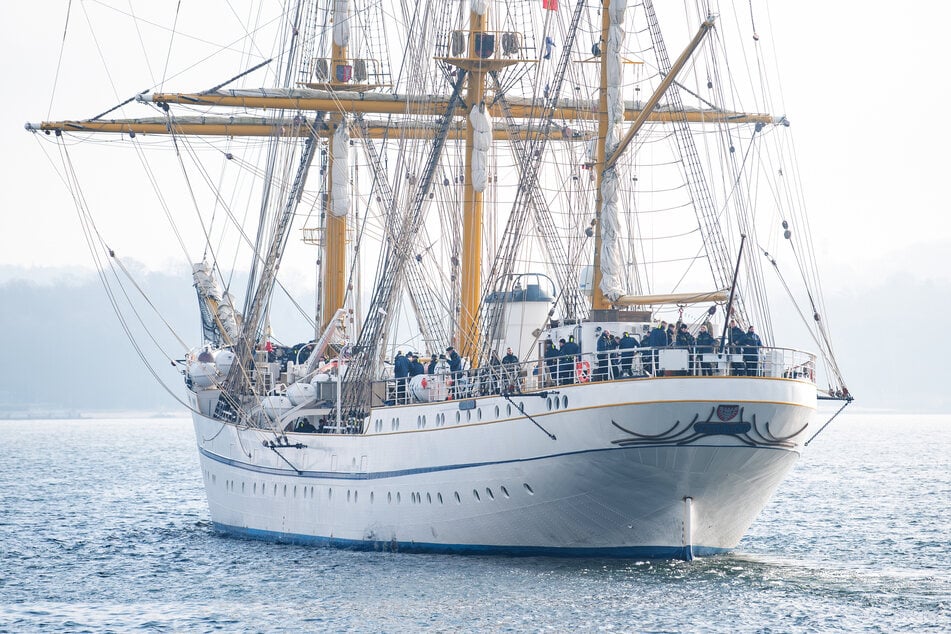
x=341, y=22
x=612, y=264
x=340, y=193
x=222, y=312
x=481, y=142
x=615, y=100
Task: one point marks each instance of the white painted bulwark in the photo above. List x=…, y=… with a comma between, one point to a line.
x=614, y=481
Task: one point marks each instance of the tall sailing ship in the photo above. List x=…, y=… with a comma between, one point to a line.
x=508, y=202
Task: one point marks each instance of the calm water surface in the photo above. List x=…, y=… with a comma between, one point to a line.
x=103, y=526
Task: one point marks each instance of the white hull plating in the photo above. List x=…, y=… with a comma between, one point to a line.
x=629, y=461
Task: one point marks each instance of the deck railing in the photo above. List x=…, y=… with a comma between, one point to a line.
x=614, y=365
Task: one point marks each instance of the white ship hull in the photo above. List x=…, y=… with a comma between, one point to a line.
x=665, y=467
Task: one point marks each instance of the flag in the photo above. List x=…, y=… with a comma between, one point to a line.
x=551, y=5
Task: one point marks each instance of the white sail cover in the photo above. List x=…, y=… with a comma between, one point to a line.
x=613, y=55
x=612, y=263
x=340, y=175
x=341, y=22
x=205, y=281
x=480, y=6
x=207, y=286
x=228, y=316
x=481, y=141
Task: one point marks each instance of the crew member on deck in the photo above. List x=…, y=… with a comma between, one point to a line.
x=751, y=346
x=705, y=344
x=510, y=369
x=400, y=373
x=627, y=345
x=569, y=351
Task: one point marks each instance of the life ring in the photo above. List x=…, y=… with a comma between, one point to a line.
x=583, y=371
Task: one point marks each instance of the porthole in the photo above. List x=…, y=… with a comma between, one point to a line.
x=348, y=495
x=475, y=494
x=424, y=421
x=564, y=401
x=496, y=411
x=429, y=498
x=479, y=414
x=548, y=402
x=458, y=499
x=488, y=492
x=439, y=497
x=355, y=494
x=458, y=417
x=285, y=490
x=275, y=490
x=330, y=493
x=468, y=415
x=397, y=497
x=255, y=488
x=389, y=497
x=295, y=490
x=528, y=488
x=504, y=491
x=508, y=409
x=242, y=487
x=371, y=497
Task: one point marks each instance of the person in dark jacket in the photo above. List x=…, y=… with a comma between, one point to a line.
x=705, y=345
x=569, y=354
x=627, y=345
x=685, y=340
x=735, y=338
x=656, y=340
x=510, y=370
x=551, y=362
x=415, y=366
x=400, y=373
x=455, y=369
x=751, y=346
x=604, y=351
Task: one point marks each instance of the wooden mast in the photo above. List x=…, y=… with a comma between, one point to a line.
x=334, y=263
x=471, y=269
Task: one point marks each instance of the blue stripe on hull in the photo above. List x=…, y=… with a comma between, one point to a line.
x=379, y=475
x=619, y=552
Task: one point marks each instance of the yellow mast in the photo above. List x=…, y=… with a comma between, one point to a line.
x=471, y=270
x=333, y=265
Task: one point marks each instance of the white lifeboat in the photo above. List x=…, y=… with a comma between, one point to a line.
x=301, y=392
x=427, y=388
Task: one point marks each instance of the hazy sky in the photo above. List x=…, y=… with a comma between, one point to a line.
x=863, y=85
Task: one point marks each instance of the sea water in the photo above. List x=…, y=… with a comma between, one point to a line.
x=104, y=527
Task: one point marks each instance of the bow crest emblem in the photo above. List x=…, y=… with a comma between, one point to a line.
x=727, y=412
